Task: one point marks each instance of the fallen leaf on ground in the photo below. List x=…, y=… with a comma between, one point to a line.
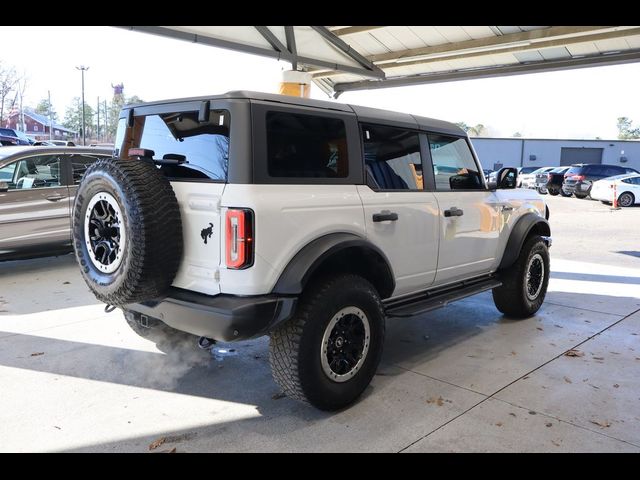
x=603, y=424
x=539, y=328
x=615, y=385
x=37, y=354
x=548, y=424
x=555, y=443
x=615, y=353
x=172, y=450
x=597, y=388
x=559, y=326
x=598, y=358
x=567, y=379
x=513, y=353
x=66, y=283
x=438, y=401
x=499, y=424
x=278, y=396
x=531, y=412
x=512, y=414
x=574, y=353
x=55, y=426
x=156, y=443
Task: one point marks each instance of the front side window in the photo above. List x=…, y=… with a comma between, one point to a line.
x=306, y=146
x=392, y=158
x=33, y=172
x=454, y=167
x=6, y=172
x=193, y=149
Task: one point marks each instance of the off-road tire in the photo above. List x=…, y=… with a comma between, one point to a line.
x=511, y=297
x=553, y=192
x=151, y=220
x=295, y=348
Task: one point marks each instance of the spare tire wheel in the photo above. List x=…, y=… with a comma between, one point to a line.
x=127, y=232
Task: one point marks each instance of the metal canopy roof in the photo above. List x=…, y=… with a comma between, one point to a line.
x=344, y=58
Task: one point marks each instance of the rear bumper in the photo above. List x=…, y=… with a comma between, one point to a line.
x=577, y=187
x=221, y=317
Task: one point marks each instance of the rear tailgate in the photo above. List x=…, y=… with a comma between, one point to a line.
x=201, y=224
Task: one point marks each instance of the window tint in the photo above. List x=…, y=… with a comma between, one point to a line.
x=392, y=158
x=198, y=150
x=611, y=171
x=526, y=170
x=36, y=172
x=79, y=165
x=630, y=170
x=453, y=164
x=306, y=146
x=574, y=171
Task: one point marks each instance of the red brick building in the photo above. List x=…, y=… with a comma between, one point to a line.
x=37, y=126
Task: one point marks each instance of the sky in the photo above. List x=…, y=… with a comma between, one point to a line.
x=583, y=103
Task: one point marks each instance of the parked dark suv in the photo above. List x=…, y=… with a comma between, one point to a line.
x=580, y=177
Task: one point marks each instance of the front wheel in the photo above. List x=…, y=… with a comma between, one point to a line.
x=553, y=192
x=541, y=190
x=327, y=354
x=564, y=193
x=524, y=284
x=581, y=196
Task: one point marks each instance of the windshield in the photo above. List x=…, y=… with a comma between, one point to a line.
x=7, y=132
x=526, y=170
x=191, y=149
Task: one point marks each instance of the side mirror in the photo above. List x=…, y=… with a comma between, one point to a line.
x=4, y=186
x=505, y=178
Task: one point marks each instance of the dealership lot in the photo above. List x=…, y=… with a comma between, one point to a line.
x=462, y=378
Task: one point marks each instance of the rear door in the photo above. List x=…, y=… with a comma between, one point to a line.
x=34, y=211
x=468, y=211
x=194, y=155
x=400, y=216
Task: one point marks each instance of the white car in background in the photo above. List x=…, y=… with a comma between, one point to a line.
x=627, y=189
x=528, y=180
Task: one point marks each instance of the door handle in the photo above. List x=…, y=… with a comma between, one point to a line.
x=506, y=208
x=54, y=198
x=453, y=212
x=385, y=215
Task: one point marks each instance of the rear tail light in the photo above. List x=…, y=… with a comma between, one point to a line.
x=239, y=238
x=577, y=178
x=549, y=177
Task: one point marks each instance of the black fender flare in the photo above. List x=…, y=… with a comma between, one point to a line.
x=519, y=233
x=302, y=266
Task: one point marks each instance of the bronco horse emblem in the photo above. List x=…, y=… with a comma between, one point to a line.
x=206, y=233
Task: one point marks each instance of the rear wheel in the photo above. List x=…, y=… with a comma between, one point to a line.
x=327, y=354
x=564, y=193
x=581, y=196
x=553, y=192
x=524, y=284
x=626, y=199
x=541, y=190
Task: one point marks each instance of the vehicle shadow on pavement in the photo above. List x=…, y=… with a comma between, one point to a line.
x=239, y=372
x=42, y=284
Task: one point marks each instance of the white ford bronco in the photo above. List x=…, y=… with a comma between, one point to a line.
x=248, y=214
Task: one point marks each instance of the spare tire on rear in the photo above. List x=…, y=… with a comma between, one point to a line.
x=127, y=232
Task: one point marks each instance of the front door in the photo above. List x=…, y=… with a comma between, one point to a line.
x=468, y=214
x=34, y=211
x=401, y=218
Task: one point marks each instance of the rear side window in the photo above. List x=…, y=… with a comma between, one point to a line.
x=453, y=164
x=611, y=171
x=574, y=171
x=392, y=158
x=306, y=146
x=79, y=165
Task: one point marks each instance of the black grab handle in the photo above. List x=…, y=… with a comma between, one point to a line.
x=384, y=216
x=453, y=212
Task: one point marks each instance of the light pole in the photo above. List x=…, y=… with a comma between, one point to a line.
x=84, y=131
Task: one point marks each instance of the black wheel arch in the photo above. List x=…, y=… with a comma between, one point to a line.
x=530, y=223
x=337, y=253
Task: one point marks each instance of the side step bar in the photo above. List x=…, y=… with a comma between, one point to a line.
x=431, y=300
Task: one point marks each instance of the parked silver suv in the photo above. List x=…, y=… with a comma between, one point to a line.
x=248, y=214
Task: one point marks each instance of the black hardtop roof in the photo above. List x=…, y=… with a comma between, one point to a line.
x=366, y=113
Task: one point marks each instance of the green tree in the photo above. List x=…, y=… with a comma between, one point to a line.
x=113, y=109
x=73, y=118
x=43, y=109
x=477, y=131
x=626, y=130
